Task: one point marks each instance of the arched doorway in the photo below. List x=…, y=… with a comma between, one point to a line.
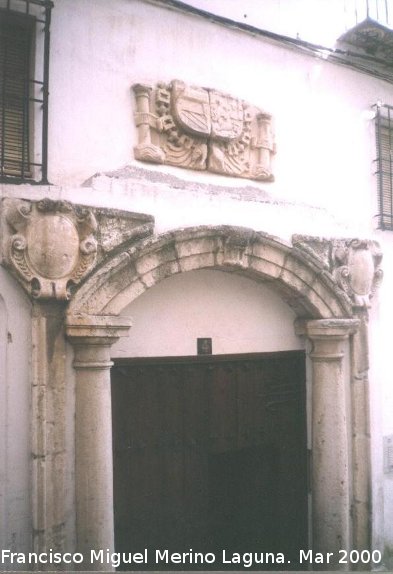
x=324, y=315
x=210, y=451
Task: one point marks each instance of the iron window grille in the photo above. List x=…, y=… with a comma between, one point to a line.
x=24, y=81
x=384, y=162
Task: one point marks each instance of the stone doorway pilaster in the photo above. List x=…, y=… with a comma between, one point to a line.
x=330, y=433
x=92, y=338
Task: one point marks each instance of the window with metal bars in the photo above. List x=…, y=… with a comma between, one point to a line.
x=24, y=79
x=384, y=161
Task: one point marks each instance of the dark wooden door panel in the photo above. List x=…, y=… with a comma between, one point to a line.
x=210, y=454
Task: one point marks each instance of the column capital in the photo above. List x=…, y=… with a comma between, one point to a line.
x=317, y=329
x=91, y=329
x=142, y=89
x=327, y=336
x=92, y=337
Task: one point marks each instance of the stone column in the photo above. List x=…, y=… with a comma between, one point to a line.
x=331, y=427
x=92, y=338
x=142, y=94
x=144, y=119
x=265, y=146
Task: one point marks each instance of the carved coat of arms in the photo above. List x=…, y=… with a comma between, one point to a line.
x=203, y=129
x=49, y=245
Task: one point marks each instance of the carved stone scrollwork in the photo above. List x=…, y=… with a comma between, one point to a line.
x=50, y=245
x=357, y=269
x=203, y=129
x=353, y=263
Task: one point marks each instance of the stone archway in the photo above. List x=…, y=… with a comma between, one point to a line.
x=300, y=277
x=330, y=309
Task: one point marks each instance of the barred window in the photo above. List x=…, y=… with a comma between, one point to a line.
x=24, y=76
x=384, y=139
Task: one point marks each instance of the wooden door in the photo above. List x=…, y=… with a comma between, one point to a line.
x=210, y=454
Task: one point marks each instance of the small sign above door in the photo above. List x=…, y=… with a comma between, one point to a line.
x=204, y=346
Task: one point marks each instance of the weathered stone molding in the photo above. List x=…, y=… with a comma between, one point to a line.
x=92, y=338
x=300, y=277
x=52, y=246
x=203, y=129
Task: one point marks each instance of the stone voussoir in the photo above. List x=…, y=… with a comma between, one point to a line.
x=97, y=281
x=192, y=246
x=264, y=267
x=199, y=261
x=155, y=259
x=131, y=292
x=273, y=252
x=338, y=302
x=162, y=271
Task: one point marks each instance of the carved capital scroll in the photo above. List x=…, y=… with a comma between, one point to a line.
x=49, y=245
x=203, y=129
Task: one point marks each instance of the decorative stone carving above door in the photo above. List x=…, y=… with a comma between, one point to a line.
x=51, y=246
x=203, y=129
x=355, y=265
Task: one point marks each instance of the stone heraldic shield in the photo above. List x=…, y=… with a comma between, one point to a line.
x=226, y=116
x=203, y=129
x=205, y=112
x=191, y=109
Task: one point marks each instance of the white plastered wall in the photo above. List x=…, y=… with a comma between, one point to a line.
x=15, y=418
x=381, y=404
x=238, y=314
x=321, y=110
